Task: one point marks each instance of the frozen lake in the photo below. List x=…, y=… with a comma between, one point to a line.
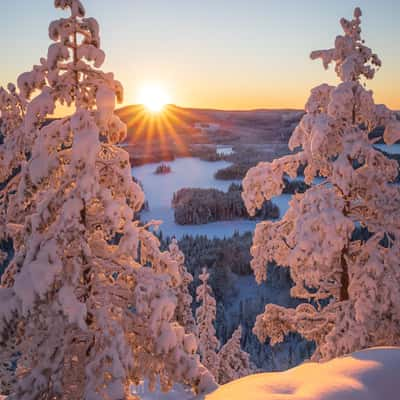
x=194, y=173
x=393, y=149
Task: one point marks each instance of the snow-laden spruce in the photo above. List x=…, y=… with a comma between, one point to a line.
x=234, y=363
x=205, y=318
x=353, y=285
x=87, y=304
x=228, y=362
x=16, y=145
x=13, y=151
x=183, y=311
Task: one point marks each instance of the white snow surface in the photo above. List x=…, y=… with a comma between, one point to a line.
x=371, y=374
x=189, y=172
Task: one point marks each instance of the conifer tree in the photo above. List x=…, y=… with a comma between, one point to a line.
x=234, y=363
x=205, y=317
x=87, y=303
x=183, y=311
x=15, y=144
x=353, y=285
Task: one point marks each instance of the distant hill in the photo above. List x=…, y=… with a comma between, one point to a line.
x=211, y=126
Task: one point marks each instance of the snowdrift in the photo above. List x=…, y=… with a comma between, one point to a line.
x=372, y=374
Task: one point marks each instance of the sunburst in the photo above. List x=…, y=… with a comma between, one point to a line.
x=153, y=97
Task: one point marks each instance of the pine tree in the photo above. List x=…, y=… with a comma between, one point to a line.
x=87, y=303
x=183, y=311
x=353, y=285
x=205, y=317
x=234, y=363
x=15, y=144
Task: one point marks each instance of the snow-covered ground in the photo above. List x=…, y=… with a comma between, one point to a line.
x=371, y=374
x=393, y=149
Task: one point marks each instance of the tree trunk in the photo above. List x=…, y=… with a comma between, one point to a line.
x=344, y=279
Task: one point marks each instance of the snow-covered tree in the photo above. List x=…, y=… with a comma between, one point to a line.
x=16, y=145
x=205, y=317
x=353, y=285
x=14, y=149
x=234, y=363
x=183, y=311
x=87, y=303
x=230, y=362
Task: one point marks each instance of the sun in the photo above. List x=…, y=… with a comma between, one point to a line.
x=153, y=97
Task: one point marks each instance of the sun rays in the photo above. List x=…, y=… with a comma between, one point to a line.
x=164, y=131
x=156, y=128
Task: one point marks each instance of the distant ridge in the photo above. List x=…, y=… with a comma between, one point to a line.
x=209, y=109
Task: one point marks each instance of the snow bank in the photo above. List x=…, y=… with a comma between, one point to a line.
x=371, y=374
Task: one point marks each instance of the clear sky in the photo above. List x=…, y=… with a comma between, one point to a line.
x=229, y=54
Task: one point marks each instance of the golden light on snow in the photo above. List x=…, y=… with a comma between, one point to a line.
x=153, y=97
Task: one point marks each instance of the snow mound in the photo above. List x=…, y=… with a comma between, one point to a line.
x=372, y=374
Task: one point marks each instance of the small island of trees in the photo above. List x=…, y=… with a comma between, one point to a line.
x=194, y=206
x=163, y=169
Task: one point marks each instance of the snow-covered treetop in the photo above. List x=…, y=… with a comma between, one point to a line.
x=204, y=291
x=330, y=112
x=15, y=143
x=351, y=57
x=77, y=9
x=70, y=72
x=12, y=108
x=234, y=363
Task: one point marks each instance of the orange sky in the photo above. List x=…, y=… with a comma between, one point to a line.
x=214, y=53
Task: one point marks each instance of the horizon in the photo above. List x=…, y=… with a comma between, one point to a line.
x=204, y=58
x=122, y=106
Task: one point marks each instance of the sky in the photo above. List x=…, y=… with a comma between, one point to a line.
x=227, y=54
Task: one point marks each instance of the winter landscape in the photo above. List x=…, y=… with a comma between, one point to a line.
x=244, y=244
